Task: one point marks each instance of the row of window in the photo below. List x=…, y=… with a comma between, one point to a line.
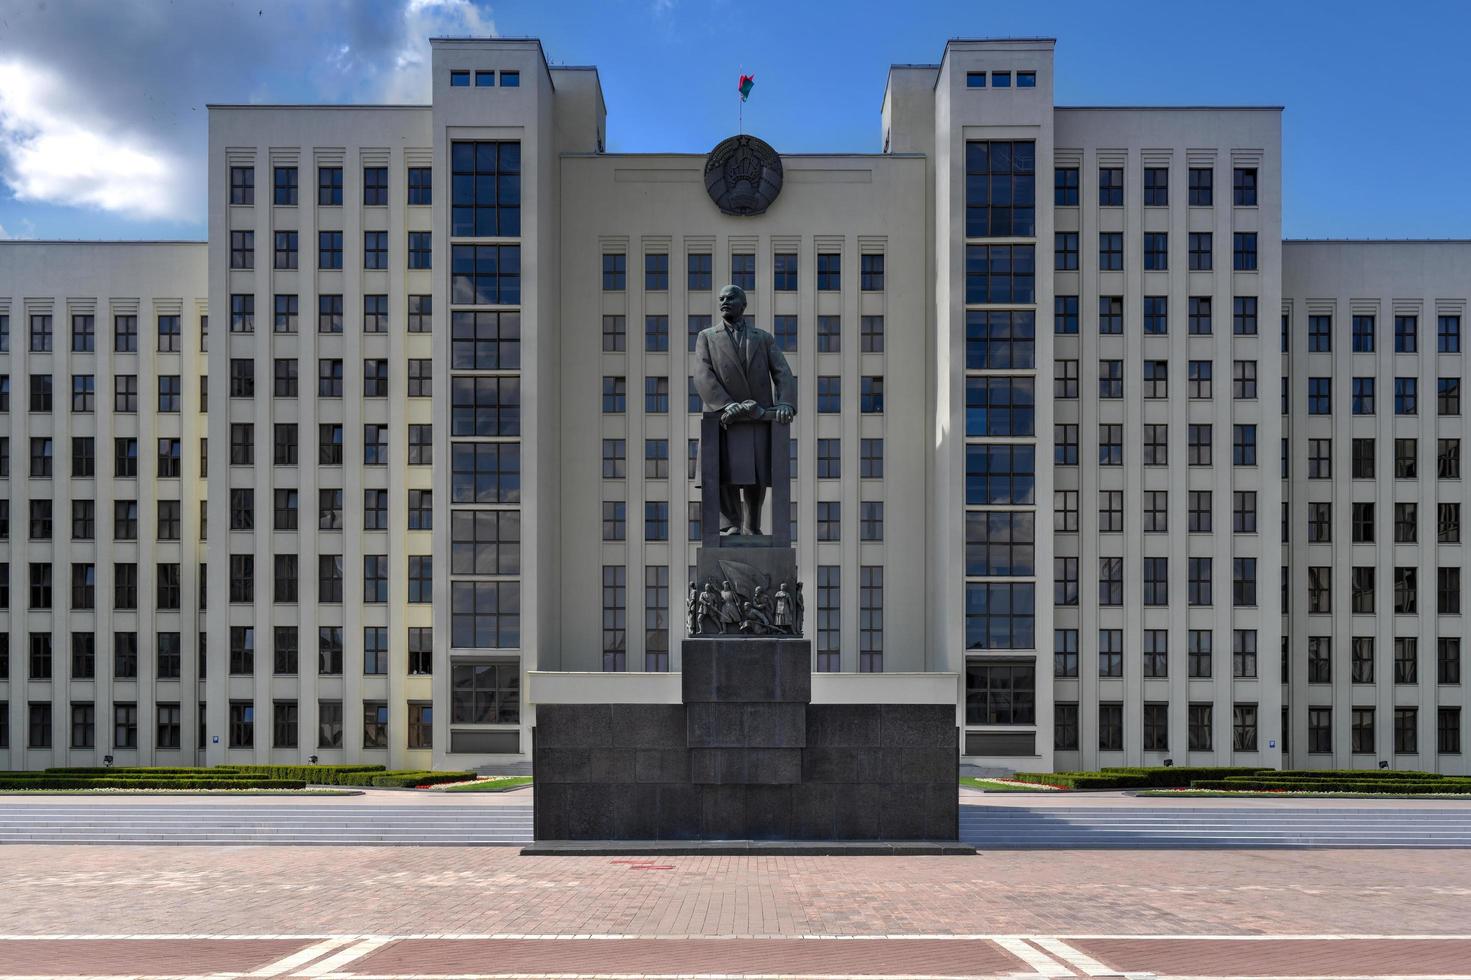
x=1364, y=452
x=1362, y=593
x=285, y=253
x=1199, y=379
x=1244, y=734
x=1154, y=653
x=784, y=330
x=484, y=78
x=656, y=395
x=829, y=462
x=700, y=275
x=1000, y=188
x=242, y=514
x=1199, y=444
x=1155, y=581
x=1000, y=79
x=84, y=333
x=1406, y=661
x=1364, y=338
x=1156, y=251
x=285, y=653
x=656, y=520
x=1362, y=391
x=484, y=174
x=1155, y=315
x=1363, y=525
x=1156, y=186
x=285, y=183
x=285, y=725
x=1155, y=516
x=84, y=393
x=84, y=457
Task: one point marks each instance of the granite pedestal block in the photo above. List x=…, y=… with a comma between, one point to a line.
x=746, y=757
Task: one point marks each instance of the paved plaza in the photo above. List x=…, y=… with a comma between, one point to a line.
x=387, y=911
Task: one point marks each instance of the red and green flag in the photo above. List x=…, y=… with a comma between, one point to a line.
x=747, y=82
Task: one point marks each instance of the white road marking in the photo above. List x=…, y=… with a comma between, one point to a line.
x=1039, y=962
x=331, y=964
x=869, y=937
x=300, y=958
x=1075, y=958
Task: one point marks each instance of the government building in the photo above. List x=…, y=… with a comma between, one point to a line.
x=409, y=443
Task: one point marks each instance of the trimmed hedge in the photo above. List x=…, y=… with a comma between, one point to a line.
x=1135, y=777
x=320, y=775
x=406, y=778
x=45, y=781
x=1354, y=774
x=1341, y=785
x=360, y=775
x=1180, y=776
x=1078, y=780
x=141, y=771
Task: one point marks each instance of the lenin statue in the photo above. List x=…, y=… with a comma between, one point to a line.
x=739, y=373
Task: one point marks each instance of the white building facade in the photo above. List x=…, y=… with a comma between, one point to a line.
x=1053, y=458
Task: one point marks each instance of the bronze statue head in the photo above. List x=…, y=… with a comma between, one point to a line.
x=732, y=302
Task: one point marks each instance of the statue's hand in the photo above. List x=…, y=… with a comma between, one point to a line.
x=732, y=413
x=784, y=413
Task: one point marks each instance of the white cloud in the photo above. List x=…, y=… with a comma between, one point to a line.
x=51, y=153
x=103, y=105
x=408, y=80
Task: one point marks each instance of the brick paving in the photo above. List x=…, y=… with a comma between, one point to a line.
x=731, y=915
x=186, y=956
x=701, y=956
x=401, y=891
x=1282, y=958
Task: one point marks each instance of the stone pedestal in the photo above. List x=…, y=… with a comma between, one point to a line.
x=747, y=756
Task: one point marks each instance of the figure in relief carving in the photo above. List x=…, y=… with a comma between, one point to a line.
x=781, y=616
x=730, y=607
x=692, y=611
x=755, y=620
x=801, y=604
x=709, y=614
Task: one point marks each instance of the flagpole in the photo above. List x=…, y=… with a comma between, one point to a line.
x=741, y=105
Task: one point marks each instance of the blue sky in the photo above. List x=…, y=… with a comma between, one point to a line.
x=102, y=128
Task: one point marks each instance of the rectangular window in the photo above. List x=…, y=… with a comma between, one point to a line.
x=1243, y=316
x=1110, y=250
x=421, y=185
x=1065, y=186
x=1065, y=314
x=1201, y=186
x=784, y=269
x=1244, y=251
x=1111, y=187
x=242, y=185
x=743, y=270
x=829, y=271
x=1000, y=188
x=1156, y=186
x=1243, y=186
x=615, y=271
x=1448, y=334
x=486, y=193
x=1065, y=251
x=421, y=250
x=656, y=272
x=1201, y=251
x=1156, y=250
x=485, y=274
